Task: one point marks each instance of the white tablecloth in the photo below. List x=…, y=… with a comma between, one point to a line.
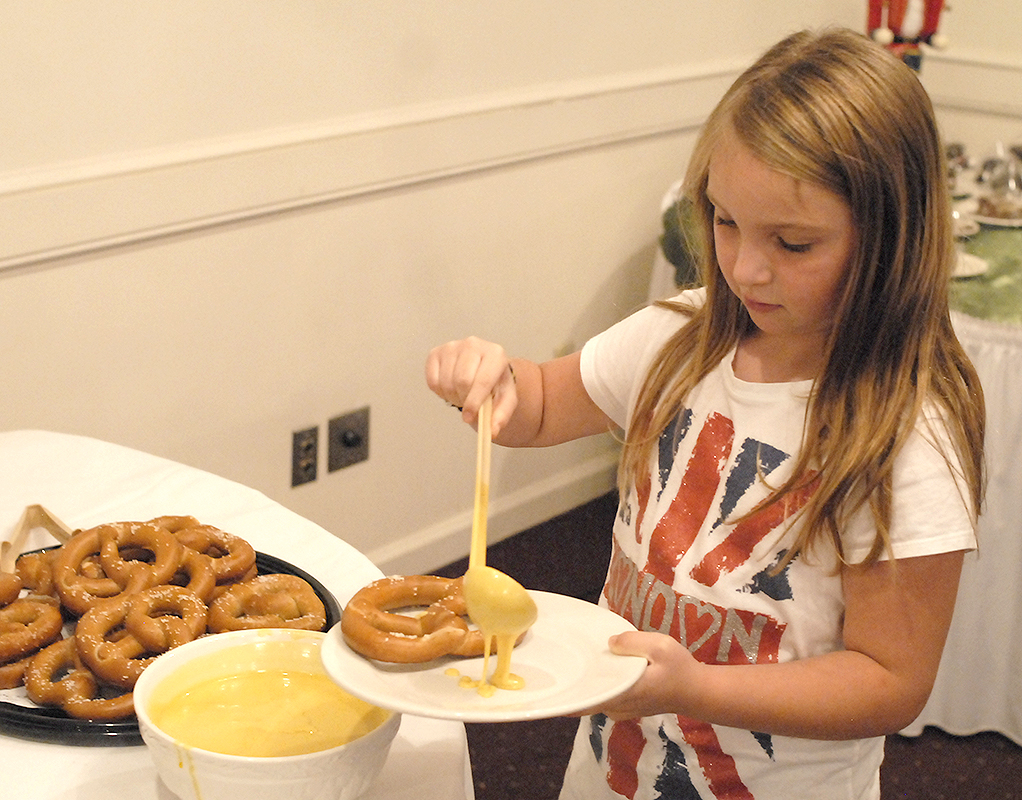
x=85, y=482
x=979, y=686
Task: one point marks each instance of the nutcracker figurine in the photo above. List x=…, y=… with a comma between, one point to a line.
x=909, y=23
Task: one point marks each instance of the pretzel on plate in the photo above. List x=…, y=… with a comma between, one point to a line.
x=36, y=572
x=123, y=546
x=268, y=601
x=232, y=557
x=57, y=677
x=371, y=628
x=27, y=625
x=77, y=583
x=10, y=587
x=165, y=617
x=137, y=589
x=117, y=639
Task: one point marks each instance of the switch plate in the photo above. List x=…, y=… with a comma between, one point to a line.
x=348, y=439
x=304, y=455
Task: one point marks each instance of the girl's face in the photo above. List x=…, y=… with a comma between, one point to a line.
x=784, y=246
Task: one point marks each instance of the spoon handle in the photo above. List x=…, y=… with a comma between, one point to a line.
x=477, y=552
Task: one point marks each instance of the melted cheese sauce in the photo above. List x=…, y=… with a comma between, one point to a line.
x=263, y=713
x=503, y=611
x=498, y=605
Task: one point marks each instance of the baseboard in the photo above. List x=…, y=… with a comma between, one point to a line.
x=431, y=548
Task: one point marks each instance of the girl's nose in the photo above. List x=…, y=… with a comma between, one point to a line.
x=751, y=265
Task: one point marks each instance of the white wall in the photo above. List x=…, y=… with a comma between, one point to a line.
x=223, y=222
x=976, y=82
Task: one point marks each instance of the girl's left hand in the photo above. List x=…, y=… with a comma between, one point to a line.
x=669, y=678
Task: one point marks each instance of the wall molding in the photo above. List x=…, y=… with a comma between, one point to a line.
x=68, y=210
x=76, y=209
x=974, y=81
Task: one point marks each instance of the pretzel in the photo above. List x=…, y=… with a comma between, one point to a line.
x=106, y=642
x=370, y=628
x=111, y=653
x=36, y=571
x=195, y=573
x=10, y=588
x=76, y=689
x=72, y=576
x=13, y=674
x=231, y=556
x=117, y=542
x=105, y=576
x=164, y=617
x=268, y=601
x=26, y=625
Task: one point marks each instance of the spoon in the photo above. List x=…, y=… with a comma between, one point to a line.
x=496, y=602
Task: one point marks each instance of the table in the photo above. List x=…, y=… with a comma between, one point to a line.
x=978, y=686
x=995, y=295
x=85, y=482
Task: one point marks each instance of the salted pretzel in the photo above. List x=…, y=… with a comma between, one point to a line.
x=371, y=628
x=268, y=601
x=232, y=557
x=57, y=677
x=195, y=573
x=164, y=617
x=36, y=571
x=123, y=546
x=10, y=587
x=106, y=648
x=74, y=579
x=26, y=625
x=137, y=589
x=105, y=635
x=13, y=674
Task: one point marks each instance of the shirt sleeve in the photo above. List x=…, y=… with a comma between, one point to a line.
x=931, y=502
x=614, y=363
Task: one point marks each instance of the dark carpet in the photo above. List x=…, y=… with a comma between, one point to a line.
x=526, y=760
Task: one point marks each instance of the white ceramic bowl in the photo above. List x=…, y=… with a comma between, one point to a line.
x=339, y=773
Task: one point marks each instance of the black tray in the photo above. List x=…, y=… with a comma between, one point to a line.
x=53, y=726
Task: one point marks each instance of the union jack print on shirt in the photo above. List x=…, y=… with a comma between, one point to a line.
x=718, y=474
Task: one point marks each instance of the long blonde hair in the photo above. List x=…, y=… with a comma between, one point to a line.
x=836, y=110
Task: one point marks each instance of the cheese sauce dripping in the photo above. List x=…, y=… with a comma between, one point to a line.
x=499, y=605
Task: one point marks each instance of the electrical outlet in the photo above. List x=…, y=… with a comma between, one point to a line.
x=348, y=437
x=304, y=455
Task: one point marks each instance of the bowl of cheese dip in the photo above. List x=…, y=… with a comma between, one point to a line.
x=253, y=714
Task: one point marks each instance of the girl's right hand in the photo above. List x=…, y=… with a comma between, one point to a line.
x=464, y=372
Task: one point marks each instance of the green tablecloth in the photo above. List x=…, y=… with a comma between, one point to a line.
x=996, y=295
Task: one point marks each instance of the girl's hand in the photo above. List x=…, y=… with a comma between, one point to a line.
x=896, y=620
x=464, y=372
x=671, y=674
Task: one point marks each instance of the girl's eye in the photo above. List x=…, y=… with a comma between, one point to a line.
x=792, y=247
x=719, y=220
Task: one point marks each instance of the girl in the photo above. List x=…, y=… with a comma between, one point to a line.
x=802, y=466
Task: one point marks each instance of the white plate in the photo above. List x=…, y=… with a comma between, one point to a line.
x=564, y=660
x=965, y=227
x=968, y=266
x=998, y=222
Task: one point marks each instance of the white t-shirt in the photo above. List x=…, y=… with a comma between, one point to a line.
x=682, y=566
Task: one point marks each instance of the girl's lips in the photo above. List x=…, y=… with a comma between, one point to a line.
x=762, y=308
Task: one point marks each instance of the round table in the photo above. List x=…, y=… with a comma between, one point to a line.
x=85, y=482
